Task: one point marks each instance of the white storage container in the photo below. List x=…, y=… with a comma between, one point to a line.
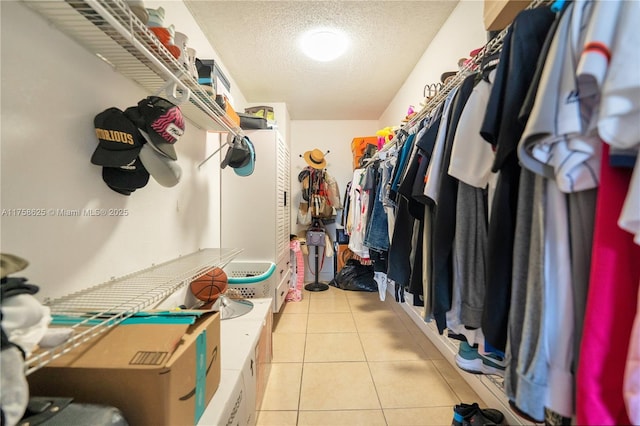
x=252, y=279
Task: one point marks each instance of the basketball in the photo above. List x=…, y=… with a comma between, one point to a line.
x=209, y=286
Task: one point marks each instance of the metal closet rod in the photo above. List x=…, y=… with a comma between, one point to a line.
x=95, y=4
x=493, y=46
x=228, y=142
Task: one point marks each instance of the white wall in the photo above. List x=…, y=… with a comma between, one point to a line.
x=333, y=136
x=461, y=33
x=51, y=90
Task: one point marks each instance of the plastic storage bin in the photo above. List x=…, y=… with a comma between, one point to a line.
x=252, y=279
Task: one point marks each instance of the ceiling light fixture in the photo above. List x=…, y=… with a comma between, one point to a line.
x=324, y=44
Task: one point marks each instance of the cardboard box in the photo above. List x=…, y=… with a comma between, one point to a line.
x=231, y=112
x=498, y=14
x=159, y=370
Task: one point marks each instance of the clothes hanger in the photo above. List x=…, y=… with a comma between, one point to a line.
x=431, y=90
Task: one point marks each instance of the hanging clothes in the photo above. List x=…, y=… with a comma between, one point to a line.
x=425, y=147
x=525, y=337
x=615, y=267
x=443, y=229
x=358, y=206
x=388, y=164
x=522, y=46
x=432, y=148
x=455, y=203
x=611, y=306
x=547, y=382
x=416, y=210
x=377, y=234
x=400, y=248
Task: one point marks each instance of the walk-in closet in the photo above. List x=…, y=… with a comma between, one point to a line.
x=297, y=213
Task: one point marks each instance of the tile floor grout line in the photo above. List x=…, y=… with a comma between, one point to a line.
x=304, y=357
x=374, y=383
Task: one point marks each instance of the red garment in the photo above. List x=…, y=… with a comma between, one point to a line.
x=611, y=306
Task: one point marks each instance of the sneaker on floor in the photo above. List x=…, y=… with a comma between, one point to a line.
x=473, y=415
x=469, y=360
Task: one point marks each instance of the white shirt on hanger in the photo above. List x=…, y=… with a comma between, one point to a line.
x=471, y=156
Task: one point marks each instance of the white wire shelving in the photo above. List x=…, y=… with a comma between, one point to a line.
x=111, y=31
x=95, y=310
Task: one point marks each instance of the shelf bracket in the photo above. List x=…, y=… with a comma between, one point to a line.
x=173, y=93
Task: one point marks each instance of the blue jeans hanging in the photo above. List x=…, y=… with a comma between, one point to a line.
x=376, y=235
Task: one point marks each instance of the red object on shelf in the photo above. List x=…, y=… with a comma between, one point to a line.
x=162, y=34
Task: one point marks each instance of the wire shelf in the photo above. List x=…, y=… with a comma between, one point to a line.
x=95, y=310
x=110, y=30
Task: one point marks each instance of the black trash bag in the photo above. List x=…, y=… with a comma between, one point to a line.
x=355, y=276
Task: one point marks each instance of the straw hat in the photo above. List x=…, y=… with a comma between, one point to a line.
x=10, y=264
x=315, y=159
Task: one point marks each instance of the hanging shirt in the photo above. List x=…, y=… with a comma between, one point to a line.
x=558, y=141
x=611, y=307
x=619, y=118
x=400, y=165
x=471, y=159
x=618, y=122
x=599, y=375
x=426, y=145
x=358, y=206
x=514, y=75
x=432, y=179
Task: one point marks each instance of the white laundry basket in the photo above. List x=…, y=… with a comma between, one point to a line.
x=252, y=279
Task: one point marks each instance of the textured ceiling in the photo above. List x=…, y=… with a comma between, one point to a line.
x=258, y=43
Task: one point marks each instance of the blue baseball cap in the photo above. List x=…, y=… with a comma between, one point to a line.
x=247, y=169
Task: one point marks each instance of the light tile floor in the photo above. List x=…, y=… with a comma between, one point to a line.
x=347, y=358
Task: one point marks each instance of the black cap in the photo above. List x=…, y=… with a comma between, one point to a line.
x=127, y=178
x=119, y=140
x=126, y=192
x=163, y=122
x=238, y=153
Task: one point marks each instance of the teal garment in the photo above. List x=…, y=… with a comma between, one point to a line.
x=403, y=159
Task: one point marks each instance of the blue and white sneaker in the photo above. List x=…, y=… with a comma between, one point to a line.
x=471, y=361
